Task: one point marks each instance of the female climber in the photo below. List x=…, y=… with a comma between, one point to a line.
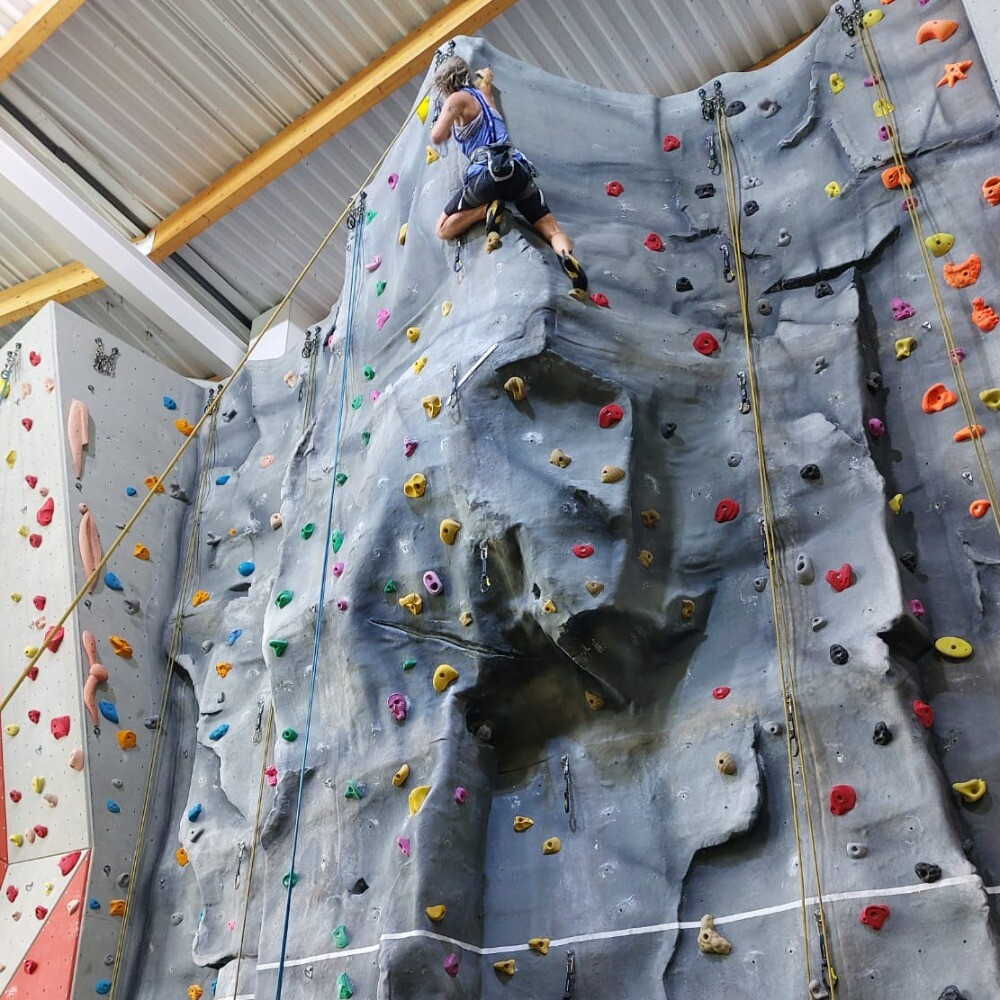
x=497, y=172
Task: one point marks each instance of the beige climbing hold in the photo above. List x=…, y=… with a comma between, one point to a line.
x=415, y=486
x=904, y=347
x=445, y=308
x=594, y=587
x=465, y=618
x=76, y=759
x=413, y=603
x=420, y=364
x=724, y=763
x=549, y=606
x=515, y=388
x=141, y=552
x=78, y=433
x=559, y=458
x=290, y=378
x=413, y=334
x=540, y=946
x=120, y=646
x=436, y=913
x=896, y=503
x=448, y=530
x=645, y=558
x=990, y=398
x=200, y=597
x=612, y=474
x=431, y=405
x=687, y=609
x=650, y=518
x=507, y=967
x=710, y=941
x=594, y=701
x=51, y=800
x=551, y=846
x=432, y=155
x=444, y=677
x=972, y=790
x=522, y=823
x=401, y=238
x=399, y=778
x=416, y=798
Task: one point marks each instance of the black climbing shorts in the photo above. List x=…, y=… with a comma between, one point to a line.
x=519, y=189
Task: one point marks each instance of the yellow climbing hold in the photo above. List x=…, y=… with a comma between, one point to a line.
x=594, y=701
x=116, y=907
x=896, y=503
x=413, y=334
x=836, y=83
x=594, y=587
x=551, y=846
x=413, y=603
x=990, y=398
x=882, y=107
x=515, y=388
x=940, y=243
x=401, y=238
x=37, y=785
x=445, y=308
x=904, y=347
x=141, y=552
x=444, y=677
x=832, y=190
x=612, y=474
x=539, y=945
x=23, y=531
x=872, y=18
x=16, y=839
x=436, y=913
x=30, y=652
x=522, y=823
x=399, y=778
x=431, y=405
x=432, y=155
x=184, y=427
x=953, y=647
x=687, y=609
x=418, y=365
x=506, y=968
x=12, y=729
x=415, y=486
x=16, y=598
x=120, y=646
x=549, y=607
x=10, y=459
x=200, y=596
x=195, y=993
x=416, y=798
x=448, y=530
x=645, y=558
x=182, y=857
x=972, y=790
x=223, y=668
x=423, y=108
x=153, y=483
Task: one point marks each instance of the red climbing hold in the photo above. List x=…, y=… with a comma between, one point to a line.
x=41, y=913
x=583, y=551
x=654, y=243
x=874, y=916
x=35, y=358
x=11, y=893
x=705, y=343
x=599, y=299
x=924, y=713
x=670, y=143
x=843, y=799
x=32, y=673
x=41, y=831
x=68, y=862
x=613, y=189
x=720, y=692
x=45, y=512
x=610, y=415
x=32, y=481
x=54, y=638
x=30, y=965
x=34, y=541
x=39, y=602
x=27, y=423
x=15, y=795
x=60, y=726
x=840, y=579
x=34, y=715
x=726, y=510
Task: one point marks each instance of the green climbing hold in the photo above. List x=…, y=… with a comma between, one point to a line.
x=389, y=588
x=344, y=989
x=341, y=478
x=279, y=646
x=289, y=735
x=379, y=287
x=340, y=936
x=368, y=372
x=366, y=436
x=370, y=216
x=356, y=403
x=353, y=791
x=292, y=877
x=284, y=599
x=307, y=530
x=336, y=539
x=409, y=664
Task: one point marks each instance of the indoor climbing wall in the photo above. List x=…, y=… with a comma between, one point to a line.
x=82, y=425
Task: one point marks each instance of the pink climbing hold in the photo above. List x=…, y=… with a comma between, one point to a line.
x=30, y=966
x=957, y=355
x=843, y=799
x=613, y=189
x=35, y=541
x=27, y=423
x=375, y=393
x=705, y=343
x=884, y=132
x=670, y=143
x=11, y=893
x=35, y=359
x=924, y=713
x=45, y=512
x=338, y=569
x=39, y=602
x=610, y=415
x=381, y=318
x=271, y=773
x=902, y=310
x=342, y=604
x=403, y=843
x=409, y=447
x=916, y=608
x=68, y=862
x=392, y=180
x=720, y=692
x=34, y=715
x=15, y=795
x=727, y=509
x=450, y=964
x=461, y=796
x=908, y=203
x=840, y=579
x=600, y=299
x=33, y=673
x=584, y=551
x=60, y=726
x=397, y=706
x=41, y=913
x=653, y=242
x=876, y=428
x=32, y=481
x=374, y=264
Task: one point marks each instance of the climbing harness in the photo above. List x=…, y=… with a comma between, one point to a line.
x=484, y=577
x=569, y=993
x=744, y=398
x=104, y=362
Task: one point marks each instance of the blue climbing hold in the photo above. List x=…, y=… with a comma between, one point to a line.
x=94, y=904
x=213, y=986
x=113, y=806
x=130, y=491
x=103, y=987
x=169, y=403
x=245, y=568
x=194, y=812
x=222, y=480
x=219, y=731
x=112, y=582
x=233, y=636
x=109, y=711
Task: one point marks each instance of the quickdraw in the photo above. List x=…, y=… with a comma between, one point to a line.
x=484, y=577
x=728, y=274
x=744, y=395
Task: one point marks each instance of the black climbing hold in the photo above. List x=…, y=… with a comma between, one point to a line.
x=882, y=735
x=764, y=307
x=212, y=539
x=228, y=415
x=951, y=993
x=684, y=285
x=909, y=560
x=823, y=289
x=927, y=872
x=874, y=381
x=705, y=191
x=969, y=849
x=811, y=472
x=735, y=108
x=751, y=208
x=241, y=588
x=667, y=429
x=839, y=655
x=131, y=607
x=359, y=888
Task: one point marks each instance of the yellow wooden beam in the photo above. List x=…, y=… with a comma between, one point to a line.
x=390, y=71
x=61, y=285
x=32, y=30
x=775, y=56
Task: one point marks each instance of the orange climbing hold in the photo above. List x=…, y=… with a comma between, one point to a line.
x=116, y=907
x=937, y=398
x=184, y=427
x=936, y=30
x=953, y=72
x=964, y=274
x=126, y=739
x=970, y=432
x=894, y=177
x=979, y=508
x=984, y=316
x=991, y=190
x=120, y=646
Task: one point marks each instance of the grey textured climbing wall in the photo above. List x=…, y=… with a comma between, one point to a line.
x=609, y=672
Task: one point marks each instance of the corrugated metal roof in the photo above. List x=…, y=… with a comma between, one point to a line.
x=156, y=98
x=11, y=11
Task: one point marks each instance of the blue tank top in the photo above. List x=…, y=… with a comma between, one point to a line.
x=486, y=128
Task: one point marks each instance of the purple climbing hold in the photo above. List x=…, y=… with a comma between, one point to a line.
x=451, y=964
x=397, y=706
x=338, y=569
x=902, y=310
x=381, y=319
x=461, y=796
x=432, y=583
x=916, y=608
x=409, y=447
x=875, y=427
x=403, y=843
x=957, y=355
x=392, y=181
x=884, y=133
x=342, y=604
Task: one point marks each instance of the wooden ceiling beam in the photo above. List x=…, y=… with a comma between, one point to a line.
x=32, y=31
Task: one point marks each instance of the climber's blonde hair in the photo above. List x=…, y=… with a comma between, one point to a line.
x=453, y=75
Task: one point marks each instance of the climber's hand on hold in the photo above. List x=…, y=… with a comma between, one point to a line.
x=484, y=79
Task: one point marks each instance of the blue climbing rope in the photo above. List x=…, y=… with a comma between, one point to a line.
x=355, y=221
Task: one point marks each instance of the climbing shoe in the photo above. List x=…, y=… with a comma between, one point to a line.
x=494, y=216
x=575, y=273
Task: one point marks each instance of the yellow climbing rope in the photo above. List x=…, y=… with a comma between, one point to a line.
x=878, y=76
x=795, y=735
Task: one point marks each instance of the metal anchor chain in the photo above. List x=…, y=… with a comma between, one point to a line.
x=711, y=106
x=7, y=372
x=850, y=21
x=105, y=363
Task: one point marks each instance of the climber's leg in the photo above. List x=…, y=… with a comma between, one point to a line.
x=453, y=224
x=531, y=204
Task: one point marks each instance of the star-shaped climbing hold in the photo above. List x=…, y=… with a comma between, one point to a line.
x=953, y=72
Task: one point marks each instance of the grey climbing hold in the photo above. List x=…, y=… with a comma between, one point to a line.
x=176, y=918
x=764, y=307
x=151, y=722
x=784, y=237
x=667, y=429
x=750, y=182
x=951, y=993
x=359, y=888
x=131, y=607
x=241, y=588
x=760, y=584
x=804, y=569
x=733, y=459
x=773, y=728
x=839, y=655
x=873, y=380
x=212, y=539
x=818, y=990
x=767, y=107
x=819, y=365
x=883, y=735
x=927, y=872
x=817, y=623
x=735, y=108
x=857, y=851
x=206, y=646
x=909, y=560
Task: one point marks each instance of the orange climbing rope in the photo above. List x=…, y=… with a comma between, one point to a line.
x=795, y=742
x=878, y=77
